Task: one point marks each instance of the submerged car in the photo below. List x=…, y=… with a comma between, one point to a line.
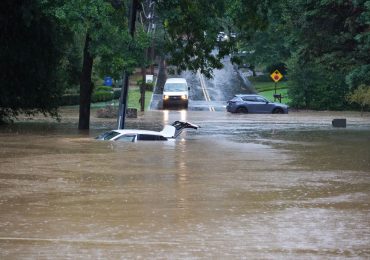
x=254, y=104
x=169, y=132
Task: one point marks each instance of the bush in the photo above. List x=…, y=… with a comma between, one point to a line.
x=148, y=86
x=101, y=96
x=103, y=88
x=116, y=93
x=360, y=96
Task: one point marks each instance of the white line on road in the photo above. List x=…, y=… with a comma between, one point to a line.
x=205, y=91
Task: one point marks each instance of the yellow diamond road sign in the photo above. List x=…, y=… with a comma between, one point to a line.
x=276, y=76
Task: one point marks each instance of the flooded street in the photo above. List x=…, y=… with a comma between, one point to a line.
x=242, y=186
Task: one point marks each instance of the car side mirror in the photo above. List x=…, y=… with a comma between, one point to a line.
x=267, y=102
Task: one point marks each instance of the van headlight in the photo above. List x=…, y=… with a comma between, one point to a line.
x=184, y=97
x=165, y=97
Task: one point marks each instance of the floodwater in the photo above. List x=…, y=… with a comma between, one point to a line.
x=240, y=187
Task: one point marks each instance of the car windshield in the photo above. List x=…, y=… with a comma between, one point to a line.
x=173, y=87
x=107, y=135
x=236, y=98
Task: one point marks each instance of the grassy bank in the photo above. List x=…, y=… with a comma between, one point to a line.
x=133, y=100
x=267, y=89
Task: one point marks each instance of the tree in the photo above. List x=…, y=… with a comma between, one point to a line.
x=266, y=44
x=31, y=50
x=102, y=25
x=191, y=35
x=324, y=39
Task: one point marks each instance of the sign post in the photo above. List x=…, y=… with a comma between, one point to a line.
x=276, y=76
x=125, y=82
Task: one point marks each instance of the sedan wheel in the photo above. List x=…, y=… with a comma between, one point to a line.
x=278, y=111
x=242, y=110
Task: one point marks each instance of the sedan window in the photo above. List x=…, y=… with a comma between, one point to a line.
x=107, y=135
x=126, y=138
x=145, y=137
x=252, y=99
x=261, y=99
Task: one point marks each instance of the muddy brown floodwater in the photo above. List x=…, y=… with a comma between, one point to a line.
x=240, y=187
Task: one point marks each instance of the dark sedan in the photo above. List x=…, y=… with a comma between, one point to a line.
x=254, y=104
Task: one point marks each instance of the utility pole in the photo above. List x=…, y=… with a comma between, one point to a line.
x=126, y=76
x=147, y=20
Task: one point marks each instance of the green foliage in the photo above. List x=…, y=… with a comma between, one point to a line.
x=133, y=100
x=360, y=96
x=314, y=86
x=191, y=29
x=106, y=26
x=328, y=40
x=134, y=97
x=267, y=85
x=103, y=88
x=358, y=76
x=270, y=95
x=280, y=66
x=148, y=86
x=325, y=44
x=248, y=15
x=31, y=50
x=101, y=96
x=116, y=93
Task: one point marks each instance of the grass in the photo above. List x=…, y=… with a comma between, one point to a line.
x=265, y=86
x=267, y=89
x=133, y=100
x=270, y=95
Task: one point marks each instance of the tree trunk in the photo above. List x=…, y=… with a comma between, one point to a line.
x=85, y=86
x=162, y=75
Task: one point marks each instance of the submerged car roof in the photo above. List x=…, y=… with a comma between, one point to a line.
x=168, y=131
x=250, y=95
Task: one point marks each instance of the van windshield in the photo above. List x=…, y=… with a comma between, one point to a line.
x=173, y=87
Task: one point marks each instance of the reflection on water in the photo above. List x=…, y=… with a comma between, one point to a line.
x=182, y=116
x=239, y=187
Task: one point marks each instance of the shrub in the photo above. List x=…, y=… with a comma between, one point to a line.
x=360, y=96
x=148, y=86
x=116, y=93
x=103, y=88
x=101, y=96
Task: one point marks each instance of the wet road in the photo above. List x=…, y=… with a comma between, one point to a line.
x=210, y=94
x=240, y=187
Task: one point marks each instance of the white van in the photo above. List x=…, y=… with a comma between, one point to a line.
x=175, y=92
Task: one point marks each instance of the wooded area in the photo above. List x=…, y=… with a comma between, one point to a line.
x=48, y=47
